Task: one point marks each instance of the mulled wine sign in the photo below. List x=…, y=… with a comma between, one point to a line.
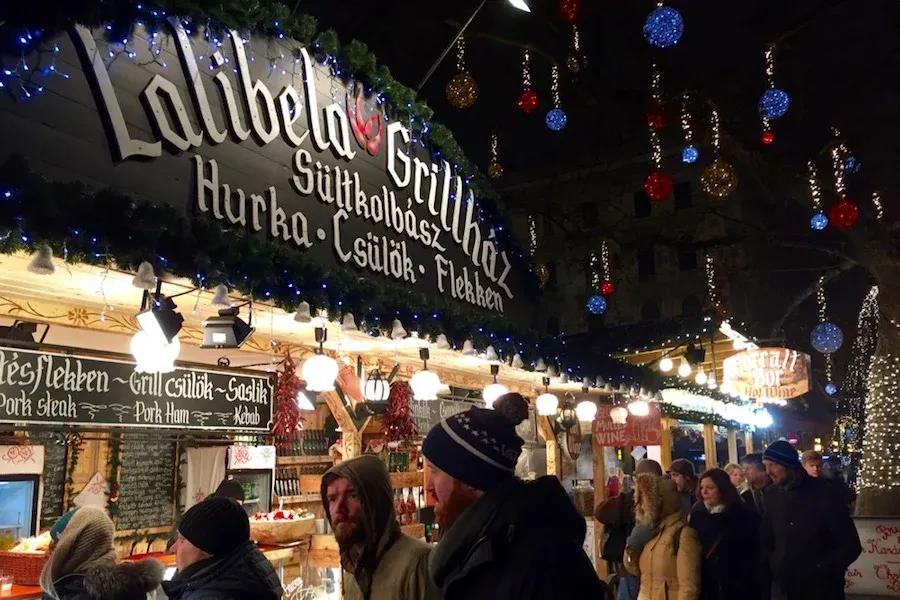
x=256, y=135
x=636, y=431
x=62, y=389
x=767, y=374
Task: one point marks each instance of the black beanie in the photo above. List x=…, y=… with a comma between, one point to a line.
x=217, y=525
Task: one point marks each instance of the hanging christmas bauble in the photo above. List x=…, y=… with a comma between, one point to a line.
x=689, y=155
x=495, y=170
x=607, y=288
x=658, y=185
x=719, y=179
x=462, y=90
x=830, y=389
x=596, y=305
x=543, y=274
x=774, y=103
x=843, y=214
x=573, y=63
x=768, y=137
x=664, y=27
x=569, y=9
x=851, y=164
x=826, y=337
x=819, y=221
x=528, y=101
x=556, y=119
x=655, y=117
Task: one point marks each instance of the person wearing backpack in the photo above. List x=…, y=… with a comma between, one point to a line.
x=617, y=517
x=669, y=564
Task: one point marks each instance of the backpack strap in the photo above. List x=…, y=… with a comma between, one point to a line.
x=677, y=543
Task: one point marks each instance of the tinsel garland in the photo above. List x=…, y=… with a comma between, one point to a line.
x=64, y=216
x=695, y=416
x=397, y=420
x=287, y=412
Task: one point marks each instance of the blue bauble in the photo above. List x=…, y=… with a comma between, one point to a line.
x=596, y=304
x=826, y=337
x=664, y=27
x=689, y=155
x=556, y=119
x=830, y=389
x=819, y=221
x=851, y=164
x=774, y=103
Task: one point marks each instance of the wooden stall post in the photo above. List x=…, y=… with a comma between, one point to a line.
x=545, y=429
x=665, y=442
x=732, y=446
x=709, y=445
x=599, y=456
x=748, y=441
x=350, y=435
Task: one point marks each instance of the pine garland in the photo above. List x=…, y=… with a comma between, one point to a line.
x=696, y=416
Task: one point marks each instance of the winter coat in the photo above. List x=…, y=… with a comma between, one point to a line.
x=105, y=580
x=808, y=538
x=670, y=563
x=730, y=541
x=756, y=499
x=243, y=574
x=392, y=566
x=617, y=516
x=519, y=540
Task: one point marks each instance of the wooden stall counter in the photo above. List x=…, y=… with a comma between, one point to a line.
x=21, y=592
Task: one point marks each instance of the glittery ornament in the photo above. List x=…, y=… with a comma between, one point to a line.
x=556, y=119
x=462, y=90
x=851, y=164
x=528, y=101
x=689, y=155
x=768, y=137
x=826, y=338
x=596, y=305
x=818, y=221
x=569, y=9
x=543, y=274
x=658, y=185
x=495, y=170
x=655, y=117
x=843, y=214
x=573, y=63
x=607, y=288
x=664, y=27
x=774, y=103
x=719, y=179
x=830, y=389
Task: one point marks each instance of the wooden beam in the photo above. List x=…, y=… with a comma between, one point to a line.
x=709, y=445
x=748, y=441
x=665, y=442
x=351, y=437
x=545, y=430
x=732, y=446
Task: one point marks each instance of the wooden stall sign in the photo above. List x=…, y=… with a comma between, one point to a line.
x=767, y=373
x=636, y=431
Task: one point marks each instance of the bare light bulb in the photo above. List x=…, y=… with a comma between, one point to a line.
x=666, y=364
x=684, y=369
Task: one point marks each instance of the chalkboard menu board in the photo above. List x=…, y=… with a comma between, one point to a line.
x=427, y=414
x=54, y=475
x=146, y=485
x=40, y=387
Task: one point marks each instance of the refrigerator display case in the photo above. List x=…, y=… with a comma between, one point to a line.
x=253, y=467
x=18, y=507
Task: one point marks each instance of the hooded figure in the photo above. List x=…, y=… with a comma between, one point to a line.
x=669, y=559
x=83, y=563
x=379, y=561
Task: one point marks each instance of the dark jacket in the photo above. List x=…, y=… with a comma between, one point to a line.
x=124, y=581
x=756, y=499
x=244, y=574
x=519, y=540
x=617, y=516
x=730, y=541
x=808, y=538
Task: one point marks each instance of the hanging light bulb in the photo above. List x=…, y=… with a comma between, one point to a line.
x=546, y=403
x=639, y=408
x=586, y=411
x=619, y=415
x=666, y=364
x=494, y=390
x=320, y=371
x=684, y=369
x=425, y=384
x=701, y=377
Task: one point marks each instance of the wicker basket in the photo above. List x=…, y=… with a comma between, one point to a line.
x=281, y=532
x=24, y=567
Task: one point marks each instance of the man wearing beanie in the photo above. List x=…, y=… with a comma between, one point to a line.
x=685, y=478
x=379, y=562
x=216, y=559
x=500, y=537
x=808, y=538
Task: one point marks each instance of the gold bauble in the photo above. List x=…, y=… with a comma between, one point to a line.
x=543, y=274
x=719, y=179
x=462, y=90
x=495, y=170
x=573, y=63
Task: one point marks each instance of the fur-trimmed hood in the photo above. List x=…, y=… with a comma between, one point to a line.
x=123, y=581
x=655, y=498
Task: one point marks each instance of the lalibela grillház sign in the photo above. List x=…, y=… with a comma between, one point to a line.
x=288, y=152
x=38, y=387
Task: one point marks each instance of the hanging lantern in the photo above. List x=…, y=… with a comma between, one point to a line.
x=425, y=384
x=663, y=27
x=494, y=390
x=546, y=404
x=658, y=186
x=619, y=415
x=569, y=9
x=462, y=89
x=376, y=388
x=566, y=418
x=826, y=338
x=607, y=288
x=639, y=408
x=528, y=99
x=843, y=214
x=719, y=179
x=586, y=411
x=320, y=371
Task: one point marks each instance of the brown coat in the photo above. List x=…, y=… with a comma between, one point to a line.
x=665, y=574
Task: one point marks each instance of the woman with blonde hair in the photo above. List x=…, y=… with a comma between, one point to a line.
x=82, y=564
x=662, y=549
x=736, y=475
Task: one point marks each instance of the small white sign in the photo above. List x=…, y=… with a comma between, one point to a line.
x=589, y=541
x=877, y=570
x=639, y=452
x=251, y=457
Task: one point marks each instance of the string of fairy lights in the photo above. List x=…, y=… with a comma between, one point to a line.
x=850, y=419
x=880, y=467
x=711, y=289
x=818, y=221
x=532, y=235
x=689, y=154
x=879, y=206
x=822, y=302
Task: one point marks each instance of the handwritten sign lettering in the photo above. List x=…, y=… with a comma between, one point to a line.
x=768, y=373
x=53, y=478
x=636, y=431
x=146, y=486
x=40, y=387
x=877, y=570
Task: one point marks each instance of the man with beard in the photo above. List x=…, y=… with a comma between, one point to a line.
x=379, y=562
x=500, y=537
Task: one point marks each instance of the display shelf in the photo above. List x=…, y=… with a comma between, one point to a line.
x=285, y=461
x=299, y=499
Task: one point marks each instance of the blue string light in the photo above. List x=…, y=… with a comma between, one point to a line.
x=556, y=119
x=774, y=103
x=664, y=27
x=826, y=337
x=830, y=389
x=819, y=221
x=596, y=304
x=689, y=155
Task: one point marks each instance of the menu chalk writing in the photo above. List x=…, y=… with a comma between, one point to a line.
x=41, y=387
x=54, y=475
x=146, y=485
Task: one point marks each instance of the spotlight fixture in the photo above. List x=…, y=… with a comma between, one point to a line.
x=546, y=403
x=320, y=371
x=494, y=390
x=425, y=384
x=227, y=330
x=695, y=355
x=158, y=317
x=21, y=331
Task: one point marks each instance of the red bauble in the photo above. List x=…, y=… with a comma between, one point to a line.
x=658, y=186
x=528, y=101
x=607, y=288
x=655, y=117
x=768, y=137
x=569, y=9
x=843, y=214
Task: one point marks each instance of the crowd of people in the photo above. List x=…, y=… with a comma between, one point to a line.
x=768, y=529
